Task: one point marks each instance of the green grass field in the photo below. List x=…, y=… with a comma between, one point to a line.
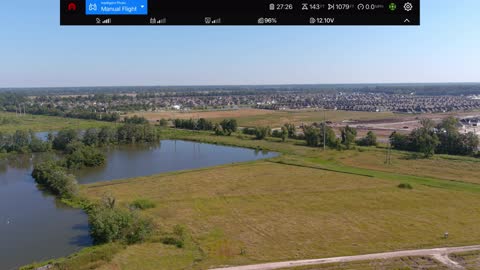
x=39, y=123
x=303, y=204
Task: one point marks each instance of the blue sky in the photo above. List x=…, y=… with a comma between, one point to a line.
x=35, y=51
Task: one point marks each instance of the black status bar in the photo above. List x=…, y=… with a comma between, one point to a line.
x=237, y=12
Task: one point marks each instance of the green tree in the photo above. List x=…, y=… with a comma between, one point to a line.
x=218, y=130
x=348, y=136
x=262, y=132
x=21, y=141
x=91, y=137
x=291, y=130
x=106, y=136
x=284, y=133
x=229, y=126
x=64, y=137
x=369, y=140
x=312, y=135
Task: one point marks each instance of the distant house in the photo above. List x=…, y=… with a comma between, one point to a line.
x=176, y=107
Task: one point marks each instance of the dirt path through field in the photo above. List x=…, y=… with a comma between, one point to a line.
x=440, y=254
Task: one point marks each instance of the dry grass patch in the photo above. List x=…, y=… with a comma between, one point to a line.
x=256, y=117
x=259, y=212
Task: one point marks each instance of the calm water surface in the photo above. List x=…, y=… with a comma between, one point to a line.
x=34, y=226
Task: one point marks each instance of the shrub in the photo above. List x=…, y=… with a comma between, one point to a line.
x=173, y=241
x=84, y=156
x=112, y=224
x=262, y=132
x=369, y=140
x=405, y=186
x=142, y=204
x=54, y=177
x=177, y=239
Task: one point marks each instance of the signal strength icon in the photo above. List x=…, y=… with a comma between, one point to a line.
x=162, y=21
x=107, y=21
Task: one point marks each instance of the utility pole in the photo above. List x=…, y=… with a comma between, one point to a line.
x=324, y=128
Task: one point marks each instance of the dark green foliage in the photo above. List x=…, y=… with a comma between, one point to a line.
x=290, y=129
x=177, y=238
x=107, y=135
x=112, y=224
x=84, y=156
x=285, y=133
x=229, y=126
x=64, y=137
x=91, y=137
x=429, y=140
x=262, y=132
x=55, y=178
x=454, y=143
x=22, y=142
x=369, y=140
x=314, y=136
x=348, y=135
x=173, y=241
x=204, y=124
x=249, y=131
x=142, y=204
x=405, y=186
x=192, y=124
x=218, y=130
x=135, y=120
x=131, y=133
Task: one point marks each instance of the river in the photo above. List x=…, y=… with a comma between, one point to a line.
x=34, y=226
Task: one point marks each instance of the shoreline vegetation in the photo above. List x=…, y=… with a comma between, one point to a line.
x=116, y=225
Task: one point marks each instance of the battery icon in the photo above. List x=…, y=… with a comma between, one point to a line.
x=272, y=6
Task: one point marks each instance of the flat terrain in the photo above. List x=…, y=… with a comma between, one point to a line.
x=43, y=123
x=256, y=117
x=404, y=263
x=469, y=260
x=268, y=211
x=454, y=168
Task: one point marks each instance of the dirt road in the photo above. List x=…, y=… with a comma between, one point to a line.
x=440, y=254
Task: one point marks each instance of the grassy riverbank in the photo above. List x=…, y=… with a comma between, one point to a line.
x=303, y=204
x=40, y=123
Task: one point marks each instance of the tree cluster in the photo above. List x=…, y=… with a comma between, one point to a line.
x=55, y=178
x=22, y=142
x=443, y=138
x=110, y=224
x=192, y=124
x=314, y=136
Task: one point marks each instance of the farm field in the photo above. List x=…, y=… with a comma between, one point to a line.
x=10, y=123
x=257, y=117
x=303, y=204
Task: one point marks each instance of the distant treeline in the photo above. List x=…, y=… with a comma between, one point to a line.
x=116, y=93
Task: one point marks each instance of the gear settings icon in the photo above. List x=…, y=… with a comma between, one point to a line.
x=408, y=6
